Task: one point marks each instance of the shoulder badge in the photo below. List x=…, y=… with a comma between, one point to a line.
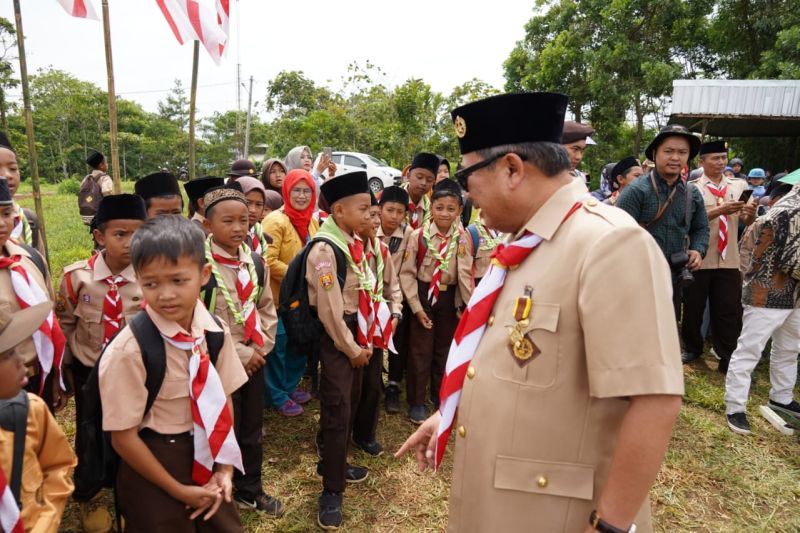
x=326, y=281
x=61, y=303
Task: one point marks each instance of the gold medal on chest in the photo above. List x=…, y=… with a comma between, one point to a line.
x=720, y=201
x=522, y=347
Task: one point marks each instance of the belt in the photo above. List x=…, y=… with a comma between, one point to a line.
x=149, y=434
x=32, y=369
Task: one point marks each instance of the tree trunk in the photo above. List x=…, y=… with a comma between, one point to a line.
x=637, y=145
x=3, y=117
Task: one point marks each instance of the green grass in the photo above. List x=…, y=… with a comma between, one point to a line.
x=712, y=480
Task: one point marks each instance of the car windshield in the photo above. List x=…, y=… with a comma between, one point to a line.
x=376, y=161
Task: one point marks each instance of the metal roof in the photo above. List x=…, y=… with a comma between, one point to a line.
x=738, y=108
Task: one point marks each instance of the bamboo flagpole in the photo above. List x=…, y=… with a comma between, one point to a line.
x=26, y=99
x=192, y=107
x=112, y=101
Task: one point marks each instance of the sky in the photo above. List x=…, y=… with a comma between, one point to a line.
x=444, y=42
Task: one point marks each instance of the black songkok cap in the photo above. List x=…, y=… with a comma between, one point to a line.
x=394, y=194
x=157, y=184
x=345, y=185
x=426, y=161
x=5, y=193
x=120, y=207
x=94, y=158
x=714, y=147
x=510, y=119
x=197, y=188
x=372, y=200
x=623, y=166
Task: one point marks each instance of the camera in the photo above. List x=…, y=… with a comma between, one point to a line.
x=677, y=262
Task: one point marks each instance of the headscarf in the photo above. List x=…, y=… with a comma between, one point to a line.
x=292, y=160
x=299, y=219
x=273, y=200
x=266, y=168
x=249, y=184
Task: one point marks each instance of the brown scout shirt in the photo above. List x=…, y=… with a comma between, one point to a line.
x=47, y=462
x=122, y=376
x=80, y=312
x=483, y=258
x=265, y=308
x=403, y=233
x=391, y=282
x=198, y=219
x=713, y=259
x=459, y=270
x=534, y=443
x=26, y=348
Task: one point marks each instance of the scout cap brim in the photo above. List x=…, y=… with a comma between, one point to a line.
x=20, y=325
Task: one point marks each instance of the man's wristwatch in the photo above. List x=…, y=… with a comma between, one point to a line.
x=398, y=316
x=604, y=527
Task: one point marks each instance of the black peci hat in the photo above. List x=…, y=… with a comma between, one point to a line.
x=426, y=161
x=673, y=130
x=622, y=167
x=197, y=188
x=94, y=158
x=510, y=119
x=343, y=186
x=714, y=147
x=394, y=194
x=157, y=184
x=5, y=193
x=120, y=207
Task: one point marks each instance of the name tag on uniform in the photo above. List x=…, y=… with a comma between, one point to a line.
x=443, y=287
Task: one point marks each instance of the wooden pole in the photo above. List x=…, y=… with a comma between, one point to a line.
x=112, y=101
x=192, y=106
x=249, y=118
x=26, y=99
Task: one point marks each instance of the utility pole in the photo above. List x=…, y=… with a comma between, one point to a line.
x=192, y=109
x=112, y=101
x=249, y=117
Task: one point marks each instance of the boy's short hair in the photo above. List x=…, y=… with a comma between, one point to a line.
x=169, y=237
x=447, y=188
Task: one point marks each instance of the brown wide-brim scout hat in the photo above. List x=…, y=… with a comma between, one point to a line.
x=16, y=326
x=674, y=130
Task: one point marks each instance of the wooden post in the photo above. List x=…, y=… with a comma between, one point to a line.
x=192, y=106
x=26, y=99
x=112, y=101
x=249, y=118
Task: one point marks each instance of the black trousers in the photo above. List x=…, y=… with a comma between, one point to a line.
x=248, y=408
x=722, y=288
x=366, y=414
x=339, y=393
x=80, y=375
x=398, y=361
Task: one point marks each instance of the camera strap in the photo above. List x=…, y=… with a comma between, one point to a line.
x=662, y=208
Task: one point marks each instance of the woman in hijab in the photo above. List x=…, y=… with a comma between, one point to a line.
x=273, y=172
x=290, y=227
x=301, y=157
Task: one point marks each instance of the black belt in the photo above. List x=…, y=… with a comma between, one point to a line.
x=149, y=434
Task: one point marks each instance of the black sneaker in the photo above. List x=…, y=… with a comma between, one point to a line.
x=739, y=424
x=263, y=503
x=792, y=408
x=688, y=357
x=371, y=448
x=417, y=414
x=392, y=399
x=352, y=474
x=329, y=516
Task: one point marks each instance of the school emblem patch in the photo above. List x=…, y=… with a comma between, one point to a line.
x=61, y=304
x=326, y=281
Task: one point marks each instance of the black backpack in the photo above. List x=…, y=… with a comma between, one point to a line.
x=99, y=457
x=303, y=327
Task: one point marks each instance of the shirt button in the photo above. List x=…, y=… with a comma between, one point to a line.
x=491, y=320
x=462, y=431
x=136, y=298
x=542, y=481
x=471, y=372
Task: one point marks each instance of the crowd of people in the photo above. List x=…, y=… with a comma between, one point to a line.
x=177, y=332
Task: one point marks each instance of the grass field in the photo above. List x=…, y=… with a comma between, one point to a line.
x=712, y=480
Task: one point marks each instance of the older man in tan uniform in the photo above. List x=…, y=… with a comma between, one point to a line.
x=569, y=433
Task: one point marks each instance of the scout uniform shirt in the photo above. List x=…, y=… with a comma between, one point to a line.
x=198, y=219
x=47, y=467
x=26, y=348
x=396, y=242
x=535, y=439
x=391, y=279
x=422, y=208
x=332, y=302
x=713, y=259
x=264, y=307
x=79, y=307
x=122, y=376
x=459, y=271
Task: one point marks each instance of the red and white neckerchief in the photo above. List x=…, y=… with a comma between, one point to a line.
x=244, y=290
x=473, y=324
x=381, y=320
x=49, y=340
x=10, y=519
x=436, y=278
x=719, y=193
x=366, y=324
x=254, y=242
x=413, y=216
x=214, y=440
x=112, y=303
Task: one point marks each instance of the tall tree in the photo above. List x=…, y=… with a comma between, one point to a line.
x=8, y=42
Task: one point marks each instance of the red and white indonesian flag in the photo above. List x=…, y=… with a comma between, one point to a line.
x=79, y=8
x=190, y=20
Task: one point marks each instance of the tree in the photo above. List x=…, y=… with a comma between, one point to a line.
x=8, y=41
x=175, y=107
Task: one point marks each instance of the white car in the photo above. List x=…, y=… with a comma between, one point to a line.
x=379, y=173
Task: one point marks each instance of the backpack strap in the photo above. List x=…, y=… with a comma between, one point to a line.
x=33, y=224
x=36, y=257
x=214, y=341
x=261, y=273
x=73, y=298
x=472, y=229
x=208, y=293
x=14, y=418
x=394, y=244
x=154, y=355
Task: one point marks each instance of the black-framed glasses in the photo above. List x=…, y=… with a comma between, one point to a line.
x=463, y=175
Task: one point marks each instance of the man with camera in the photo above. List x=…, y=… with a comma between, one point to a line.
x=670, y=209
x=718, y=281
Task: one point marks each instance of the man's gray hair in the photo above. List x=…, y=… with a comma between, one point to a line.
x=550, y=158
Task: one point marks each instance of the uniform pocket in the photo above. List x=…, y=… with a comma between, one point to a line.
x=542, y=331
x=568, y=480
x=31, y=485
x=93, y=328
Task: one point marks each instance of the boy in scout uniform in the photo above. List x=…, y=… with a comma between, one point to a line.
x=35, y=458
x=26, y=225
x=341, y=354
x=245, y=303
x=161, y=194
x=436, y=278
x=195, y=190
x=25, y=281
x=562, y=421
x=483, y=241
x=394, y=232
x=420, y=179
x=170, y=478
x=95, y=299
x=718, y=282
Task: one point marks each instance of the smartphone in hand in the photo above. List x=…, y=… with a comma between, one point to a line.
x=745, y=197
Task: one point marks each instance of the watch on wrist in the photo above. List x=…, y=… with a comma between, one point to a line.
x=604, y=527
x=398, y=316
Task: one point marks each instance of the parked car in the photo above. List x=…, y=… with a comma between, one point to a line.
x=379, y=172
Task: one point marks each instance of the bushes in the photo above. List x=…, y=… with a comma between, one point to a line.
x=70, y=187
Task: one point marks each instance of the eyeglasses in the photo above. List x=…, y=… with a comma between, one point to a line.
x=463, y=175
x=301, y=192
